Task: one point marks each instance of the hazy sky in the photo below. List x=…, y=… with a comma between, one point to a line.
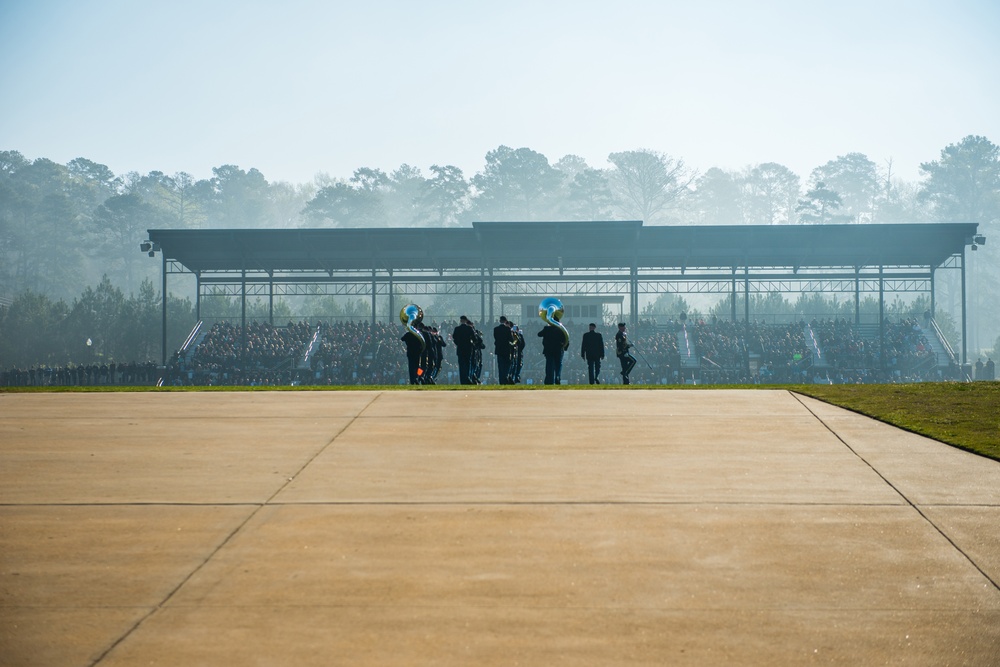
x=295, y=88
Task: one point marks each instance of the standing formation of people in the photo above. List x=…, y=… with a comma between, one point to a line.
x=508, y=350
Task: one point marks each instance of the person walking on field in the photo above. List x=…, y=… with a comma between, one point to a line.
x=463, y=337
x=622, y=351
x=416, y=344
x=553, y=345
x=592, y=349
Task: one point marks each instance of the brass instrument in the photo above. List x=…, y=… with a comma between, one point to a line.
x=551, y=311
x=410, y=314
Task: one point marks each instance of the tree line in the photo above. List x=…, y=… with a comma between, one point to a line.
x=63, y=226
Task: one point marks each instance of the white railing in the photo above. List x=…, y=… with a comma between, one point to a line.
x=944, y=342
x=191, y=336
x=309, y=349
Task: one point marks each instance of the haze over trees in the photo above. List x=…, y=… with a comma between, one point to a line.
x=64, y=227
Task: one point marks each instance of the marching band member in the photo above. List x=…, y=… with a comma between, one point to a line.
x=478, y=345
x=415, y=346
x=622, y=346
x=503, y=344
x=517, y=361
x=553, y=345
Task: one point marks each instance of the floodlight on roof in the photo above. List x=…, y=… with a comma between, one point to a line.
x=975, y=241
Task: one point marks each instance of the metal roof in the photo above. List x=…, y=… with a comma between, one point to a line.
x=562, y=245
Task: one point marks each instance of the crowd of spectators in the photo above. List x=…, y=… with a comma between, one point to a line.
x=270, y=356
x=723, y=344
x=357, y=353
x=908, y=353
x=362, y=353
x=130, y=374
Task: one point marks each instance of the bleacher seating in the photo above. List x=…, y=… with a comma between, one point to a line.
x=678, y=352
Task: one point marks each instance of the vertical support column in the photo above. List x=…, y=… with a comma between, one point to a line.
x=243, y=322
x=881, y=319
x=482, y=295
x=733, y=298
x=933, y=290
x=491, y=298
x=270, y=300
x=746, y=314
x=857, y=296
x=746, y=298
x=197, y=297
x=373, y=297
x=965, y=332
x=633, y=289
x=163, y=287
x=392, y=297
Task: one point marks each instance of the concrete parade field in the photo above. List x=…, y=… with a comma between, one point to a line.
x=520, y=527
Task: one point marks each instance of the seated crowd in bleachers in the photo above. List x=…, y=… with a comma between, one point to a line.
x=219, y=359
x=83, y=375
x=908, y=352
x=362, y=353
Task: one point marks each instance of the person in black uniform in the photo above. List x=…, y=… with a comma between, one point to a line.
x=553, y=345
x=503, y=348
x=517, y=361
x=592, y=349
x=622, y=350
x=463, y=338
x=439, y=343
x=415, y=345
x=427, y=359
x=478, y=345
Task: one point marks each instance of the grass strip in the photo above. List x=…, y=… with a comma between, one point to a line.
x=964, y=415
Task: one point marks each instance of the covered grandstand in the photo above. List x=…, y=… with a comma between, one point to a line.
x=596, y=261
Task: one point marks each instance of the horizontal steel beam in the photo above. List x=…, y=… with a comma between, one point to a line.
x=550, y=278
x=565, y=288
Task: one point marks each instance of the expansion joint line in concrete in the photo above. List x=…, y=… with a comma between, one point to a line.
x=229, y=538
x=900, y=493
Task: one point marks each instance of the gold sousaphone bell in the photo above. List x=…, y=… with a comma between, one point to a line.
x=551, y=311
